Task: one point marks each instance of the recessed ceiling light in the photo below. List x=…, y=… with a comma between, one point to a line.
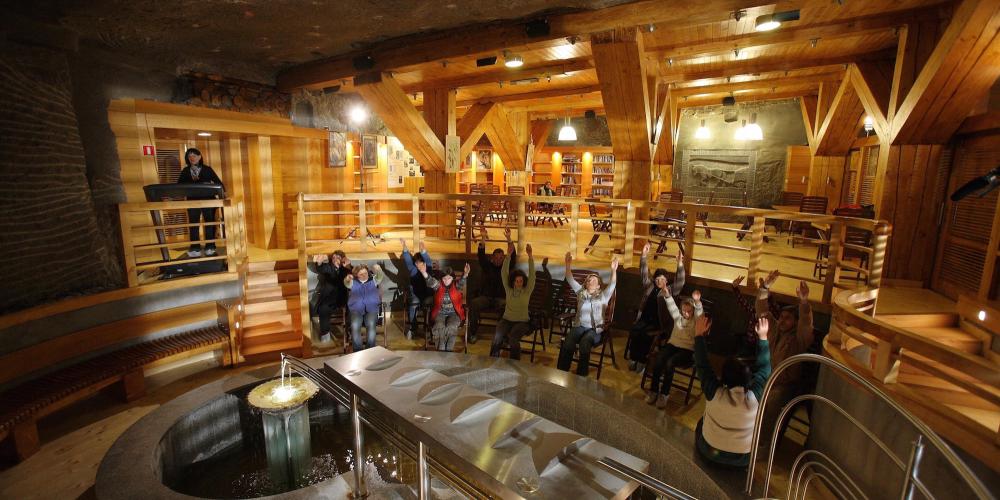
x=766, y=22
x=514, y=62
x=204, y=134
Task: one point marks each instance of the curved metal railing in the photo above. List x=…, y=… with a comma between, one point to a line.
x=831, y=473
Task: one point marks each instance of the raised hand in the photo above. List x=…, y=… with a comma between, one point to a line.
x=614, y=263
x=467, y=270
x=738, y=281
x=645, y=249
x=402, y=241
x=771, y=278
x=696, y=295
x=702, y=325
x=423, y=247
x=377, y=268
x=527, y=249
x=506, y=233
x=761, y=328
x=803, y=292
x=569, y=258
x=421, y=267
x=350, y=278
x=346, y=261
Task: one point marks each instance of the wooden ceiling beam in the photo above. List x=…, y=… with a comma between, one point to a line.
x=755, y=95
x=503, y=74
x=840, y=126
x=755, y=84
x=537, y=94
x=620, y=64
x=872, y=82
x=540, y=131
x=855, y=27
x=565, y=104
x=758, y=66
x=503, y=136
x=808, y=105
x=561, y=115
x=960, y=71
x=663, y=146
x=827, y=91
x=427, y=47
x=915, y=44
x=472, y=126
x=387, y=100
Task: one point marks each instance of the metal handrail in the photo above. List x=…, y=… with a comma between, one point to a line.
x=912, y=465
x=661, y=488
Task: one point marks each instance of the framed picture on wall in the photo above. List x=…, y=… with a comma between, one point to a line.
x=485, y=159
x=369, y=151
x=337, y=150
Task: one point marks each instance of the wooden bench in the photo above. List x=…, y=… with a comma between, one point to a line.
x=23, y=405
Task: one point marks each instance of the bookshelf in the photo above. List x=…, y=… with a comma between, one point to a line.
x=583, y=171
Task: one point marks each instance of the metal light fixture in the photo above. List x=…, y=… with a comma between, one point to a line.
x=512, y=61
x=567, y=132
x=869, y=124
x=741, y=133
x=766, y=22
x=204, y=134
x=752, y=132
x=702, y=132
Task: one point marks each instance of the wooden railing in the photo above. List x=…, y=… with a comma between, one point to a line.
x=883, y=352
x=329, y=221
x=149, y=245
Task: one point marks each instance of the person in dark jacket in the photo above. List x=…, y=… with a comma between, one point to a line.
x=330, y=291
x=196, y=172
x=420, y=292
x=653, y=318
x=492, y=296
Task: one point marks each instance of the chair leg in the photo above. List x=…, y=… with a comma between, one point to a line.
x=687, y=395
x=593, y=240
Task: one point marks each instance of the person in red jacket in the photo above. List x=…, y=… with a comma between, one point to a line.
x=447, y=312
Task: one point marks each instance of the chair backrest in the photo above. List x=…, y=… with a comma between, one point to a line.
x=515, y=190
x=492, y=189
x=791, y=198
x=540, y=296
x=475, y=188
x=676, y=196
x=849, y=212
x=813, y=204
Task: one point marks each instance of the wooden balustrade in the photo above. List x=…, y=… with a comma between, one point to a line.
x=148, y=245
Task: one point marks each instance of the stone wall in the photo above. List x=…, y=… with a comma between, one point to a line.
x=781, y=122
x=52, y=242
x=217, y=92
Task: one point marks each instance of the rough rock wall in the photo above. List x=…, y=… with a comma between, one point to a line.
x=216, y=92
x=51, y=244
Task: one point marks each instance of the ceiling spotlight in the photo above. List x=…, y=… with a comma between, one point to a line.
x=651, y=27
x=741, y=133
x=869, y=124
x=512, y=61
x=702, y=132
x=204, y=134
x=358, y=115
x=768, y=22
x=736, y=53
x=813, y=42
x=670, y=61
x=752, y=132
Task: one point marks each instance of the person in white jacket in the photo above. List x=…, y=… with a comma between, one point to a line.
x=724, y=434
x=679, y=350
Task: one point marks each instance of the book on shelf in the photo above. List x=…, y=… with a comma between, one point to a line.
x=604, y=158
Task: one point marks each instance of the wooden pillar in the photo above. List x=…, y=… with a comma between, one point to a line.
x=262, y=191
x=439, y=112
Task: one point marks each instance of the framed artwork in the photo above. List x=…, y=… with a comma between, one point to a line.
x=485, y=159
x=337, y=150
x=452, y=145
x=369, y=151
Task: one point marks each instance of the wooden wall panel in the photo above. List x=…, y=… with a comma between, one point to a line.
x=797, y=164
x=826, y=178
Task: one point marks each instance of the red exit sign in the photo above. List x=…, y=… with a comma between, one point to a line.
x=148, y=151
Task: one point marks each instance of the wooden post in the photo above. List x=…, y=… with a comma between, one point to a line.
x=879, y=244
x=415, y=211
x=883, y=360
x=756, y=245
x=305, y=322
x=574, y=228
x=521, y=236
x=228, y=218
x=629, y=235
x=468, y=225
x=127, y=247
x=362, y=223
x=690, y=223
x=837, y=232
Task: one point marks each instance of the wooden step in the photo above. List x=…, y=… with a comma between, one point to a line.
x=270, y=317
x=272, y=278
x=273, y=347
x=284, y=289
x=279, y=305
x=268, y=334
x=273, y=265
x=950, y=336
x=988, y=418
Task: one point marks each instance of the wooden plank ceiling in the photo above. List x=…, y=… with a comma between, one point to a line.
x=700, y=55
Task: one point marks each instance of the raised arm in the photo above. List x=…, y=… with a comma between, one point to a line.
x=741, y=300
x=432, y=282
x=568, y=276
x=762, y=366
x=505, y=273
x=377, y=274
x=709, y=383
x=349, y=281
x=804, y=329
x=530, y=285
x=481, y=255
x=610, y=289
x=675, y=313
x=408, y=259
x=698, y=309
x=763, y=293
x=644, y=267
x=679, y=277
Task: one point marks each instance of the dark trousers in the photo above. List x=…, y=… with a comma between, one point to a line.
x=640, y=340
x=668, y=359
x=581, y=338
x=194, y=216
x=324, y=309
x=509, y=332
x=480, y=304
x=415, y=302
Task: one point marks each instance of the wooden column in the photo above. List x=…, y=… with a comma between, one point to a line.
x=261, y=200
x=439, y=112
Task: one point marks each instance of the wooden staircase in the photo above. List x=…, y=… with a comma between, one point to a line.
x=272, y=323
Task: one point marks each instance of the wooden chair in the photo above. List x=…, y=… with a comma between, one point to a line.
x=684, y=376
x=673, y=226
x=564, y=312
x=601, y=226
x=606, y=340
x=538, y=308
x=702, y=217
x=853, y=239
x=808, y=205
x=421, y=320
x=787, y=198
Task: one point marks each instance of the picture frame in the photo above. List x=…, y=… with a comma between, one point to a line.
x=337, y=150
x=484, y=159
x=369, y=151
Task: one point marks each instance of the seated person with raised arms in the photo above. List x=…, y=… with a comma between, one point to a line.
x=591, y=300
x=492, y=296
x=448, y=312
x=516, y=320
x=420, y=293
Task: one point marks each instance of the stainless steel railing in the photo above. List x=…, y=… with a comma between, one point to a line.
x=659, y=487
x=815, y=464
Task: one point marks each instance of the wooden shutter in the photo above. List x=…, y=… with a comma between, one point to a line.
x=168, y=169
x=869, y=165
x=968, y=223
